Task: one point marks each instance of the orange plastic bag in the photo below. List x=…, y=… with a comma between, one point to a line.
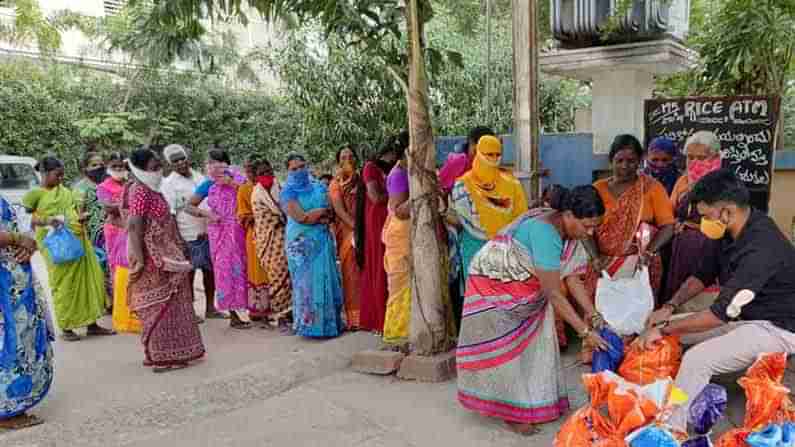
x=765, y=395
x=733, y=438
x=587, y=426
x=767, y=400
x=627, y=408
x=643, y=367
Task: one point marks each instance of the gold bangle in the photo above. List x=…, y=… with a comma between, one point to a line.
x=586, y=333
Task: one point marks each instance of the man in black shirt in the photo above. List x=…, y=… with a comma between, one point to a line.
x=752, y=256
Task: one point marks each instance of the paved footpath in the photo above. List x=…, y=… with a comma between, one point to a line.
x=255, y=387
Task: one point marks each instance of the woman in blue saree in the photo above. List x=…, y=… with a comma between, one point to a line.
x=311, y=254
x=26, y=358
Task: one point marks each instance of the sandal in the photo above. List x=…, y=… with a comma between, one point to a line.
x=20, y=422
x=238, y=324
x=96, y=330
x=164, y=369
x=70, y=336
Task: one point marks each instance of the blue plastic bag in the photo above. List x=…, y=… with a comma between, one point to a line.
x=651, y=436
x=705, y=411
x=611, y=359
x=787, y=435
x=769, y=437
x=698, y=441
x=63, y=246
x=707, y=408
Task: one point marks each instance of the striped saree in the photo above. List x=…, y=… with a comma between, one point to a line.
x=507, y=358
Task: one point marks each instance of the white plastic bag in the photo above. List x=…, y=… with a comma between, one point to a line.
x=625, y=303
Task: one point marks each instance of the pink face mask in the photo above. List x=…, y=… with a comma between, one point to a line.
x=215, y=170
x=696, y=169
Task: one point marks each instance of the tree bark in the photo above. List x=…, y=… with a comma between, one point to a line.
x=430, y=314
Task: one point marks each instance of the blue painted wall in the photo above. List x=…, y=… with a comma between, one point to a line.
x=568, y=156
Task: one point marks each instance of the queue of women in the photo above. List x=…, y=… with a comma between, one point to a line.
x=316, y=260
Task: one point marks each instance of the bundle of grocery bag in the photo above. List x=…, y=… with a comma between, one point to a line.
x=632, y=396
x=769, y=412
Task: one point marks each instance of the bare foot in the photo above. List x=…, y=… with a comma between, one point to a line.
x=20, y=422
x=523, y=429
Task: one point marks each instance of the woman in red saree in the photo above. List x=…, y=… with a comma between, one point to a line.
x=638, y=221
x=160, y=292
x=371, y=212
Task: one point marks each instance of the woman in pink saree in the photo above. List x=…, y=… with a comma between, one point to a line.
x=227, y=236
x=110, y=193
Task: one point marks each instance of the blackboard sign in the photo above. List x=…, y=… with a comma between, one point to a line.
x=745, y=125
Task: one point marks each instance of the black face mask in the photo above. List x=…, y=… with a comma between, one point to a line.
x=385, y=166
x=97, y=175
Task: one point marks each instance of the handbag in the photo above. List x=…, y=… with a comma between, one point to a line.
x=63, y=246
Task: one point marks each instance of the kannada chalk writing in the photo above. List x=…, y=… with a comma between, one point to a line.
x=745, y=126
x=754, y=178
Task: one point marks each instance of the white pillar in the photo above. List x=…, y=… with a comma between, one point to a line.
x=622, y=77
x=525, y=96
x=617, y=105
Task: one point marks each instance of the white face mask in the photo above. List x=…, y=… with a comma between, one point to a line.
x=119, y=175
x=151, y=179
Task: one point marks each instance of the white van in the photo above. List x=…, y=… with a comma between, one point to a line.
x=17, y=177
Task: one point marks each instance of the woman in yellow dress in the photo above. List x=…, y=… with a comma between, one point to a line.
x=486, y=199
x=397, y=263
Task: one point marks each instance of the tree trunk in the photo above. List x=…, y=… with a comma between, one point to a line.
x=430, y=314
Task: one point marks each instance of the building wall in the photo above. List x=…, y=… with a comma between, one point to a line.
x=782, y=201
x=78, y=49
x=74, y=45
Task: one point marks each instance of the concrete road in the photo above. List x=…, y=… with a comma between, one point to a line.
x=255, y=387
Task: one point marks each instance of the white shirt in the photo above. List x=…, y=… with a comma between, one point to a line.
x=178, y=190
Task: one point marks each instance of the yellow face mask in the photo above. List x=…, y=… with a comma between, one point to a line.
x=486, y=165
x=713, y=228
x=347, y=167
